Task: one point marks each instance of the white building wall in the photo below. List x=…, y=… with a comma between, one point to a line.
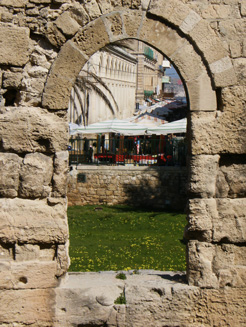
x=119, y=73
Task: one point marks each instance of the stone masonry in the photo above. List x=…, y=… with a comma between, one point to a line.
x=44, y=44
x=158, y=187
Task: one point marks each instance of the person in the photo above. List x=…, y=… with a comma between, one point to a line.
x=90, y=155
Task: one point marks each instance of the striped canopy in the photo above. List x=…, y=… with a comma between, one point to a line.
x=178, y=126
x=123, y=127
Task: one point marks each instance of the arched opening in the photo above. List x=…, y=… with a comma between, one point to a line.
x=194, y=69
x=202, y=43
x=149, y=154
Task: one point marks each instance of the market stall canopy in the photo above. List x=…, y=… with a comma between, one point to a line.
x=147, y=119
x=123, y=127
x=178, y=126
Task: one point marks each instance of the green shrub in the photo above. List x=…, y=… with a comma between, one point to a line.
x=121, y=276
x=121, y=299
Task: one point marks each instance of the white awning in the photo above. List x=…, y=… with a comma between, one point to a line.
x=123, y=127
x=178, y=126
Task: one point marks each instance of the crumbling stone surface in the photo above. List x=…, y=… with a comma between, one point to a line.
x=14, y=45
x=153, y=298
x=9, y=171
x=27, y=307
x=159, y=187
x=217, y=220
x=38, y=131
x=44, y=44
x=60, y=177
x=35, y=175
x=28, y=221
x=216, y=265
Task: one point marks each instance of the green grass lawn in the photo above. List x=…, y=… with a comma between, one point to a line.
x=124, y=238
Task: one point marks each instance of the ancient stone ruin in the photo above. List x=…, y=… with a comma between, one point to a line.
x=44, y=44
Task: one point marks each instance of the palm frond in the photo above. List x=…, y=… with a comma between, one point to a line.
x=101, y=82
x=102, y=95
x=78, y=94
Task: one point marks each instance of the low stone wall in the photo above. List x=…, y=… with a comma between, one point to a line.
x=152, y=299
x=135, y=185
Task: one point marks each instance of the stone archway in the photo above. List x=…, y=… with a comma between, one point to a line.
x=33, y=237
x=203, y=68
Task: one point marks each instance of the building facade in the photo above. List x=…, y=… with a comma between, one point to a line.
x=111, y=94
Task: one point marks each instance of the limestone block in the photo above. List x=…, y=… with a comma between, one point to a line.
x=222, y=132
x=208, y=42
x=190, y=22
x=28, y=307
x=94, y=298
x=78, y=12
x=221, y=307
x=243, y=8
x=33, y=85
x=223, y=72
x=94, y=34
x=244, y=48
x=218, y=11
x=14, y=45
x=12, y=80
x=201, y=94
x=32, y=130
x=200, y=219
x=230, y=225
x=26, y=252
x=32, y=221
x=203, y=171
x=41, y=1
x=32, y=12
x=234, y=181
x=62, y=259
x=233, y=97
x=188, y=61
x=53, y=34
x=37, y=71
x=222, y=188
x=31, y=274
x=107, y=6
x=199, y=265
x=135, y=4
x=93, y=9
x=67, y=24
x=6, y=252
x=9, y=174
x=63, y=74
x=217, y=220
x=5, y=15
x=239, y=65
x=114, y=25
x=168, y=10
x=35, y=176
x=15, y=4
x=215, y=266
x=60, y=176
x=161, y=36
x=235, y=48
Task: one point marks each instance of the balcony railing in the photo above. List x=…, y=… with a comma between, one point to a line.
x=161, y=151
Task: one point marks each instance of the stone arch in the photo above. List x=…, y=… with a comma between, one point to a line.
x=216, y=247
x=215, y=66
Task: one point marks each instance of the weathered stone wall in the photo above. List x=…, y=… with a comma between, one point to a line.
x=158, y=187
x=153, y=299
x=44, y=44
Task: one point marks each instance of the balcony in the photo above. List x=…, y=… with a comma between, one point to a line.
x=166, y=64
x=166, y=79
